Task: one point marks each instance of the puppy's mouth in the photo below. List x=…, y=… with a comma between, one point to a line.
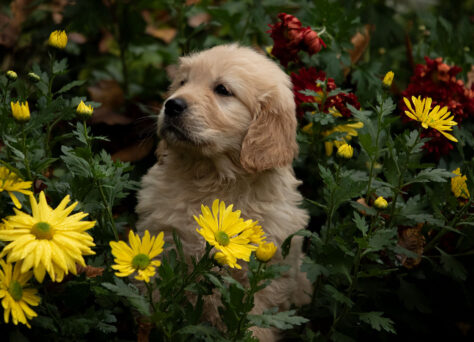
x=174, y=131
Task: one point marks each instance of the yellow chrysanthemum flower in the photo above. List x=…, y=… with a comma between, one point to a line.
x=458, y=185
x=20, y=111
x=381, y=203
x=16, y=296
x=226, y=231
x=11, y=183
x=345, y=151
x=49, y=240
x=58, y=39
x=266, y=251
x=222, y=259
x=258, y=235
x=435, y=118
x=388, y=79
x=84, y=110
x=138, y=256
x=350, y=129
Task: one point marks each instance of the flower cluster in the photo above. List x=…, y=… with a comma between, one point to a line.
x=311, y=79
x=235, y=238
x=290, y=37
x=438, y=81
x=47, y=241
x=11, y=183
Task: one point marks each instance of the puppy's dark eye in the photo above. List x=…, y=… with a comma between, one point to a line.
x=222, y=90
x=182, y=83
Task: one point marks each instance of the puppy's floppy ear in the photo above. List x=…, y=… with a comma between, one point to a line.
x=270, y=141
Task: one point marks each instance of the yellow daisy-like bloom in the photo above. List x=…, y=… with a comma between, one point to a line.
x=84, y=110
x=11, y=183
x=20, y=111
x=388, y=79
x=350, y=129
x=58, y=39
x=138, y=256
x=435, y=118
x=226, y=231
x=16, y=296
x=345, y=151
x=381, y=203
x=258, y=235
x=266, y=251
x=458, y=185
x=49, y=240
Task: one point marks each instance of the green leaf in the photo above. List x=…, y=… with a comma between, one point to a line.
x=60, y=67
x=377, y=322
x=338, y=296
x=380, y=239
x=360, y=224
x=208, y=333
x=285, y=246
x=70, y=85
x=131, y=293
x=281, y=320
x=452, y=266
x=313, y=270
x=431, y=175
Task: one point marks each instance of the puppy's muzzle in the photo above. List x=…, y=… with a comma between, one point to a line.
x=175, y=107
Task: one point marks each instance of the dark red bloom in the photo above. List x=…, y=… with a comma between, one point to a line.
x=289, y=37
x=438, y=80
x=307, y=79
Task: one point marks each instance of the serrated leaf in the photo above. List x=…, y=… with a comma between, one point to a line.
x=452, y=266
x=281, y=320
x=285, y=246
x=380, y=239
x=60, y=67
x=313, y=270
x=208, y=333
x=338, y=296
x=377, y=322
x=131, y=294
x=431, y=175
x=360, y=224
x=70, y=85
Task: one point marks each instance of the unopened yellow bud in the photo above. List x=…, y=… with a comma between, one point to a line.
x=388, y=79
x=58, y=39
x=265, y=251
x=84, y=110
x=11, y=75
x=380, y=203
x=345, y=151
x=20, y=111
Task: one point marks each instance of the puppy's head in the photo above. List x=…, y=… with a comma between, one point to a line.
x=231, y=100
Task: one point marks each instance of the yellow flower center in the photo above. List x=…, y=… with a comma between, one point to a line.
x=15, y=290
x=42, y=231
x=140, y=261
x=222, y=238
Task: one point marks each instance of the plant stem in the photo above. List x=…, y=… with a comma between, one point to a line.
x=25, y=153
x=400, y=179
x=373, y=158
x=99, y=184
x=248, y=298
x=150, y=296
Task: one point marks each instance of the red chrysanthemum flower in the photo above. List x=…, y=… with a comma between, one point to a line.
x=307, y=79
x=438, y=81
x=289, y=37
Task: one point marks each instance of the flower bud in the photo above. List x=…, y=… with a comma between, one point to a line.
x=220, y=258
x=20, y=111
x=11, y=75
x=33, y=77
x=345, y=151
x=388, y=79
x=265, y=251
x=58, y=39
x=84, y=110
x=380, y=203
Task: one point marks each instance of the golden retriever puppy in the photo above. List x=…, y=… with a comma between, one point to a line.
x=228, y=131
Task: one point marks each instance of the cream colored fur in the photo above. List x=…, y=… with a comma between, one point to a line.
x=238, y=149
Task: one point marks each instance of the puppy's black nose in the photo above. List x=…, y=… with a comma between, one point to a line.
x=174, y=107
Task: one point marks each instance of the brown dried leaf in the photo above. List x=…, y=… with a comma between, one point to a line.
x=413, y=240
x=90, y=271
x=110, y=94
x=198, y=19
x=144, y=329
x=10, y=27
x=361, y=42
x=77, y=37
x=134, y=152
x=364, y=203
x=166, y=34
